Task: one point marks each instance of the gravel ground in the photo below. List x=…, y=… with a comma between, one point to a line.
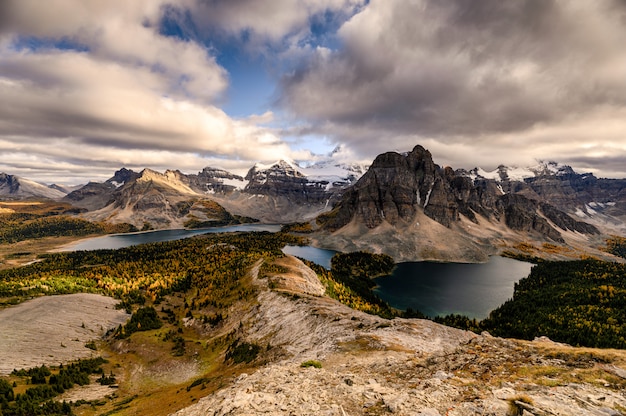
x=54, y=329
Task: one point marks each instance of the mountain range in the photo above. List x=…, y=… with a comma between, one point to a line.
x=404, y=205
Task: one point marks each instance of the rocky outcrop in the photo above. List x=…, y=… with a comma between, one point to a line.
x=96, y=195
x=282, y=179
x=396, y=186
x=521, y=214
x=393, y=188
x=280, y=192
x=92, y=196
x=154, y=199
x=373, y=366
x=583, y=195
x=215, y=181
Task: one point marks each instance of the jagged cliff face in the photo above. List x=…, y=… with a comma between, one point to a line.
x=601, y=202
x=394, y=208
x=213, y=181
x=405, y=203
x=160, y=200
x=281, y=192
x=96, y=195
x=397, y=186
x=318, y=184
x=284, y=180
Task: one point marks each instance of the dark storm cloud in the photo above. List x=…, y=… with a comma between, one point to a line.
x=615, y=164
x=478, y=82
x=463, y=70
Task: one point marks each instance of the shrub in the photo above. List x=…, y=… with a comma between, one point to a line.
x=144, y=319
x=311, y=363
x=515, y=409
x=243, y=352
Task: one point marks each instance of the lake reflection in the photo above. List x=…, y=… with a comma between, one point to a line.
x=116, y=241
x=319, y=256
x=438, y=289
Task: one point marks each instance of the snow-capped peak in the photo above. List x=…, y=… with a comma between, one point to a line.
x=285, y=167
x=551, y=168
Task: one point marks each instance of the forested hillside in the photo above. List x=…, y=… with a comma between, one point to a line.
x=186, y=298
x=582, y=303
x=25, y=221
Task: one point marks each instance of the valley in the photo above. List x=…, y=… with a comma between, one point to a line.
x=238, y=347
x=231, y=323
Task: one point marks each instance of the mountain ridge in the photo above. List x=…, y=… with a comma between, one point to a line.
x=403, y=204
x=278, y=192
x=396, y=204
x=16, y=187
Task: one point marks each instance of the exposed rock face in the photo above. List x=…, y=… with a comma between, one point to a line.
x=215, y=181
x=403, y=366
x=521, y=214
x=393, y=188
x=281, y=192
x=96, y=195
x=582, y=195
x=284, y=180
x=397, y=186
x=159, y=199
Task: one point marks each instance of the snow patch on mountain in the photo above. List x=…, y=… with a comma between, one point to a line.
x=336, y=174
x=515, y=173
x=238, y=184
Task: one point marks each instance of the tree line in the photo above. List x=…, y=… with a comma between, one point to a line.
x=51, y=220
x=47, y=384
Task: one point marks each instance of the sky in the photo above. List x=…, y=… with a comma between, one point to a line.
x=88, y=87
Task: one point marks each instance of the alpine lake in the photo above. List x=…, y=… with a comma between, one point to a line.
x=435, y=289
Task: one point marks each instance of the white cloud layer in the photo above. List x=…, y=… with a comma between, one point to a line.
x=117, y=92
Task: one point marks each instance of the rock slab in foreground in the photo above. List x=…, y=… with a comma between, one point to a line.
x=54, y=329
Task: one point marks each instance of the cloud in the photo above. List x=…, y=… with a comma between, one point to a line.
x=472, y=74
x=89, y=86
x=68, y=94
x=266, y=20
x=96, y=84
x=125, y=33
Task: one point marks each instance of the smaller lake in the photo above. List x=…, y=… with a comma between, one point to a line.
x=438, y=289
x=319, y=256
x=116, y=241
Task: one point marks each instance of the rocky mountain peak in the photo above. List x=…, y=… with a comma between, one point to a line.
x=121, y=177
x=280, y=168
x=552, y=168
x=9, y=183
x=394, y=187
x=397, y=187
x=210, y=172
x=173, y=180
x=284, y=179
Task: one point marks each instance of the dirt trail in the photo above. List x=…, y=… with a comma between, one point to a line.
x=54, y=329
